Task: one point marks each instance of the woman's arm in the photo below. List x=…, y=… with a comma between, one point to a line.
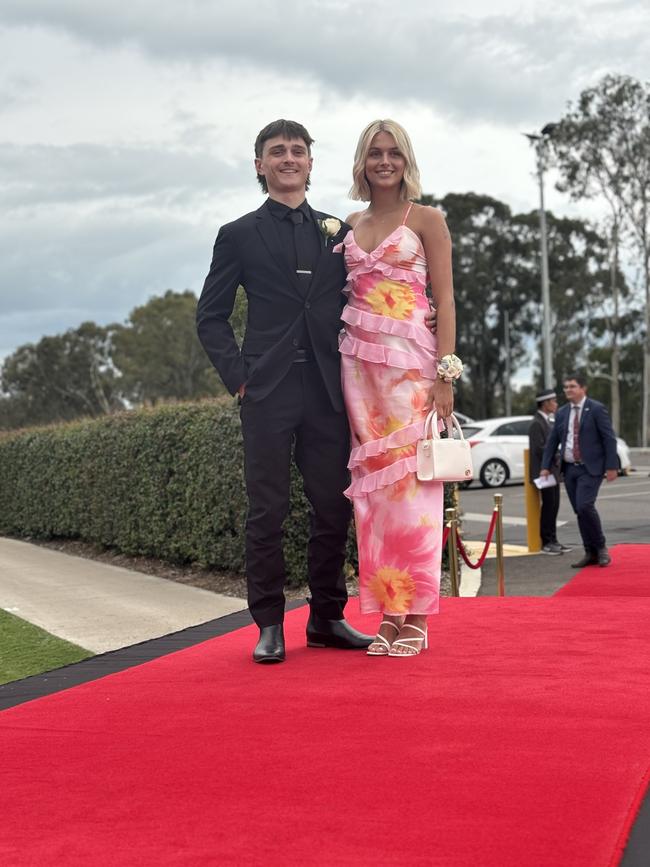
x=436, y=240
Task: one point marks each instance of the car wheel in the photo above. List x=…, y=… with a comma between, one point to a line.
x=494, y=473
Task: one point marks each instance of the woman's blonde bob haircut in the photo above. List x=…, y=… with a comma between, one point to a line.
x=360, y=189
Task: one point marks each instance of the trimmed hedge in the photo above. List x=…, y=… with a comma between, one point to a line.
x=166, y=482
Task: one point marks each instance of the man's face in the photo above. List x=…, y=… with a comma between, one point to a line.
x=572, y=391
x=285, y=164
x=550, y=406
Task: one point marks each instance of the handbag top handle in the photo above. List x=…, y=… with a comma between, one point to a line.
x=431, y=424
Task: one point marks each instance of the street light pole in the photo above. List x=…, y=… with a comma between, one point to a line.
x=506, y=335
x=539, y=142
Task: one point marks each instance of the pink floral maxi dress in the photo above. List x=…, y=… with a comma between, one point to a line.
x=389, y=361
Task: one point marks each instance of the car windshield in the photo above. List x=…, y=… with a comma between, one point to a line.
x=469, y=430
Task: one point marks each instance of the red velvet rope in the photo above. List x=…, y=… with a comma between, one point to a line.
x=481, y=560
x=445, y=535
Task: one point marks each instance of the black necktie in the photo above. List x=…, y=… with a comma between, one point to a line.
x=302, y=251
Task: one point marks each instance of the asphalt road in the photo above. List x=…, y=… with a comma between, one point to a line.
x=623, y=505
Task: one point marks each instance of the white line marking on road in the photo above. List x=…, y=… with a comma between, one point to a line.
x=475, y=517
x=620, y=496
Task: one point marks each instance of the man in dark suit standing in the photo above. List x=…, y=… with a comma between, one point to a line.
x=287, y=375
x=538, y=433
x=583, y=431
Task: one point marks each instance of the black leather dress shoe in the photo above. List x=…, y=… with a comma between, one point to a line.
x=590, y=559
x=270, y=647
x=335, y=633
x=603, y=557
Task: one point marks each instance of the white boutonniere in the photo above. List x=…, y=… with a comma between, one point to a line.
x=329, y=228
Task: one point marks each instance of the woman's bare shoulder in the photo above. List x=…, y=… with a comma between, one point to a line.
x=430, y=220
x=353, y=219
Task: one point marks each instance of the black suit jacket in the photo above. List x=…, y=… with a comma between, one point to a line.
x=596, y=437
x=538, y=433
x=249, y=252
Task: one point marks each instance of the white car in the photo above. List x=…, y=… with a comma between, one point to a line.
x=498, y=449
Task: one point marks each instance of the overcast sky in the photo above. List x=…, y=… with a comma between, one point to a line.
x=126, y=130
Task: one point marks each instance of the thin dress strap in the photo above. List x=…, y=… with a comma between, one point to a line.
x=406, y=215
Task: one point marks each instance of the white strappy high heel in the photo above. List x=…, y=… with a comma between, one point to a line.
x=410, y=650
x=383, y=644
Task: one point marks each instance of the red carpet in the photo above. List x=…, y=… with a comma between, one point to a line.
x=627, y=575
x=521, y=738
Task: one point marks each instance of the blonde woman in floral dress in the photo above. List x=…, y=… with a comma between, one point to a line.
x=394, y=369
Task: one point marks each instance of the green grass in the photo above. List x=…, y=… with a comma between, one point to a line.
x=26, y=649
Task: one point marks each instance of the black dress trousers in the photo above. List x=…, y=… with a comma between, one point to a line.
x=548, y=517
x=296, y=415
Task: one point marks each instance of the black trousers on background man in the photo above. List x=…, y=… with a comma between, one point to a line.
x=548, y=517
x=297, y=414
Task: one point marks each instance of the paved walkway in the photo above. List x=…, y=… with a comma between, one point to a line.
x=98, y=606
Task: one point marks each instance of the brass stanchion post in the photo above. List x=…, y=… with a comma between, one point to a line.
x=533, y=508
x=455, y=496
x=452, y=550
x=501, y=575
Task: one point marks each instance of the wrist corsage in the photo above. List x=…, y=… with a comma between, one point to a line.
x=450, y=368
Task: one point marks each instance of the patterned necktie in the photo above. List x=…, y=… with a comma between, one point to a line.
x=577, y=456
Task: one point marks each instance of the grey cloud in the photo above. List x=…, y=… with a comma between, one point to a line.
x=155, y=176
x=16, y=90
x=92, y=268
x=515, y=68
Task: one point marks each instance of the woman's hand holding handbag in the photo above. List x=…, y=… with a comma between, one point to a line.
x=443, y=460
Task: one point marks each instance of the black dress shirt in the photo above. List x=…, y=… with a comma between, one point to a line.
x=311, y=240
x=308, y=238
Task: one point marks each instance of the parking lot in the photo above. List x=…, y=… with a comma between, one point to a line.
x=624, y=507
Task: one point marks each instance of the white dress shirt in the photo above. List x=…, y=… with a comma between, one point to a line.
x=568, y=447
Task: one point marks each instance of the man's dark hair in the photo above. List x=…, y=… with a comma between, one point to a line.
x=580, y=378
x=288, y=129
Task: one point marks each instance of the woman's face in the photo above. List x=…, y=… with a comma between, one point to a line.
x=385, y=162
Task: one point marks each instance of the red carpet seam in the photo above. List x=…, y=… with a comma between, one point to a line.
x=635, y=805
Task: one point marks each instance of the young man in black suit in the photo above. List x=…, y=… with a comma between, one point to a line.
x=287, y=375
x=538, y=432
x=583, y=431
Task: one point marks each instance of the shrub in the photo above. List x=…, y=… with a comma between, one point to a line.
x=165, y=482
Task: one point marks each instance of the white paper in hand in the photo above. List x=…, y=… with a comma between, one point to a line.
x=545, y=482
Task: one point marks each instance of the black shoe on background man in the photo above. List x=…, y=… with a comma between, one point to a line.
x=552, y=548
x=590, y=559
x=603, y=557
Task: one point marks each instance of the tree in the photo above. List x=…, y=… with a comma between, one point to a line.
x=493, y=273
x=602, y=148
x=580, y=276
x=60, y=378
x=159, y=355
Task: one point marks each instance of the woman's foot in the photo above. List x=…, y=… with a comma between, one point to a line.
x=388, y=631
x=412, y=638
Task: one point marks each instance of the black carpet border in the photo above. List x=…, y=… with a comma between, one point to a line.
x=39, y=685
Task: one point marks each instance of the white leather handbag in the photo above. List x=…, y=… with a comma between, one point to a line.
x=443, y=460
